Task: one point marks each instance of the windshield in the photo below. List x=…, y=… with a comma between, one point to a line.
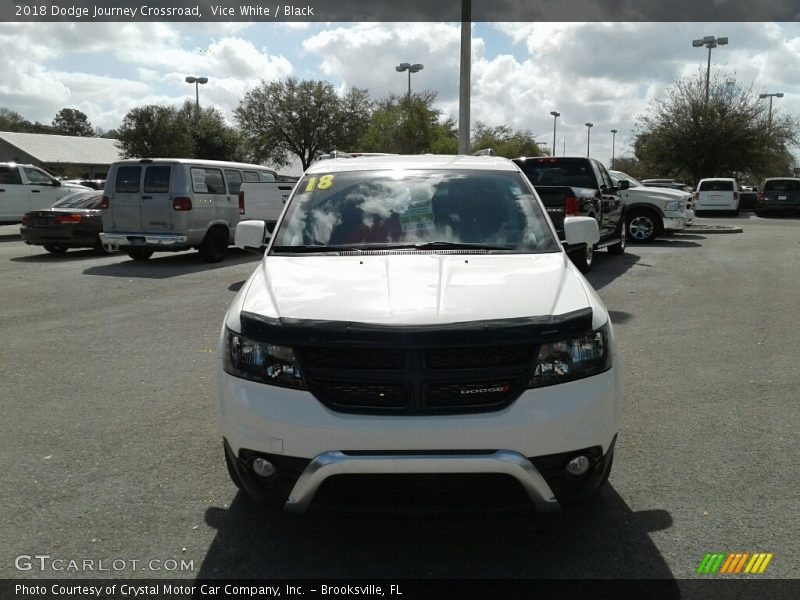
x=378, y=210
x=618, y=176
x=78, y=200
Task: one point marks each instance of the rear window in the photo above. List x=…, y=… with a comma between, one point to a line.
x=128, y=180
x=715, y=185
x=207, y=181
x=10, y=175
x=782, y=185
x=79, y=200
x=267, y=176
x=567, y=172
x=156, y=179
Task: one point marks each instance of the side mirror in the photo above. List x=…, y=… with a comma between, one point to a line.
x=623, y=184
x=579, y=230
x=251, y=235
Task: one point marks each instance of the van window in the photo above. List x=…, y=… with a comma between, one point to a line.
x=716, y=185
x=10, y=175
x=207, y=181
x=782, y=185
x=234, y=179
x=128, y=180
x=267, y=176
x=251, y=176
x=156, y=179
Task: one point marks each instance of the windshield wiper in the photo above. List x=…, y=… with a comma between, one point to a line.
x=312, y=248
x=448, y=246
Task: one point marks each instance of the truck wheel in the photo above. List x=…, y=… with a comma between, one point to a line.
x=54, y=249
x=583, y=258
x=215, y=245
x=643, y=226
x=619, y=247
x=140, y=253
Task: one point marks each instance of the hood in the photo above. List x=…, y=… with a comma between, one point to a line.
x=415, y=289
x=657, y=192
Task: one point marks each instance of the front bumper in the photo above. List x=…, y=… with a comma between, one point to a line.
x=163, y=241
x=674, y=223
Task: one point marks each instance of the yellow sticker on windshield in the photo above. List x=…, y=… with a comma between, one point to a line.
x=319, y=183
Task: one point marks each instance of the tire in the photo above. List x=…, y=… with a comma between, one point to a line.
x=99, y=249
x=619, y=247
x=140, y=253
x=583, y=258
x=214, y=246
x=55, y=249
x=643, y=226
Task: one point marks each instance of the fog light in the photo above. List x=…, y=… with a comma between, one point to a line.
x=263, y=468
x=578, y=465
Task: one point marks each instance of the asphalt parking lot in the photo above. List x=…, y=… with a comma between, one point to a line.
x=110, y=449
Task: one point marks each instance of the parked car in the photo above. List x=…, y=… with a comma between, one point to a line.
x=717, y=194
x=170, y=204
x=75, y=221
x=651, y=211
x=748, y=197
x=417, y=315
x=26, y=187
x=95, y=184
x=578, y=186
x=779, y=195
x=668, y=183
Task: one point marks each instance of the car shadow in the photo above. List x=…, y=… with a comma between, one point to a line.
x=10, y=237
x=72, y=254
x=673, y=242
x=162, y=266
x=607, y=268
x=619, y=316
x=602, y=539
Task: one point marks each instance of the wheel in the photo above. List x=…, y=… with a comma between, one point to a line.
x=215, y=245
x=736, y=213
x=619, y=247
x=583, y=258
x=55, y=249
x=642, y=226
x=100, y=249
x=140, y=253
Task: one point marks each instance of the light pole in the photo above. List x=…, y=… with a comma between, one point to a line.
x=770, y=96
x=411, y=69
x=197, y=81
x=709, y=42
x=555, y=114
x=588, y=136
x=613, y=141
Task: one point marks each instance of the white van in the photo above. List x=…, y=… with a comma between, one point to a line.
x=718, y=193
x=170, y=204
x=24, y=188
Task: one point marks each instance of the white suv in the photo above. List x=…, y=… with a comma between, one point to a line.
x=415, y=320
x=719, y=193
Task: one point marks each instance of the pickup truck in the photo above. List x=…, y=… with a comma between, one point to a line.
x=579, y=187
x=263, y=202
x=24, y=188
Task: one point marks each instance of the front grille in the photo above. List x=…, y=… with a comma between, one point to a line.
x=411, y=492
x=416, y=380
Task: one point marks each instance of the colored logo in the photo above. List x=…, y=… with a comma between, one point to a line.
x=735, y=563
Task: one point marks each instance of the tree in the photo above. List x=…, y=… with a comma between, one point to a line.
x=505, y=141
x=408, y=125
x=155, y=131
x=211, y=136
x=12, y=121
x=685, y=136
x=71, y=121
x=300, y=118
x=631, y=166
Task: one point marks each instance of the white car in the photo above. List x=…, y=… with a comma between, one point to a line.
x=717, y=194
x=651, y=211
x=416, y=318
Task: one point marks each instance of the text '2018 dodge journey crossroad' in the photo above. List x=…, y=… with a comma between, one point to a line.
x=416, y=324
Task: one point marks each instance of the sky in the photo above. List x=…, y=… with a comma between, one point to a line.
x=605, y=73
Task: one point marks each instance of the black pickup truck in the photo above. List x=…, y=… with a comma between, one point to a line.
x=579, y=187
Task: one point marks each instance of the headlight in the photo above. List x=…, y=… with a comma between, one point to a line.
x=673, y=205
x=567, y=360
x=261, y=361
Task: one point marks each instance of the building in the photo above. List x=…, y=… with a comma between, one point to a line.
x=61, y=155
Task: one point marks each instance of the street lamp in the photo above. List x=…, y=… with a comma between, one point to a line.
x=588, y=136
x=770, y=96
x=555, y=114
x=709, y=42
x=411, y=69
x=197, y=81
x=613, y=141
